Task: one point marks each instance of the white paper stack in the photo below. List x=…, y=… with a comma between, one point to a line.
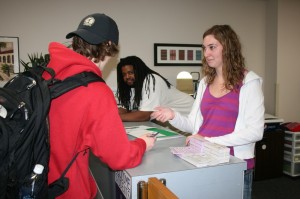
x=201, y=152
x=219, y=152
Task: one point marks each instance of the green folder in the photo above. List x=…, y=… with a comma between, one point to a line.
x=163, y=132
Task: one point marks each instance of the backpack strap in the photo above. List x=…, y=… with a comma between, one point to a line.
x=61, y=185
x=73, y=159
x=60, y=87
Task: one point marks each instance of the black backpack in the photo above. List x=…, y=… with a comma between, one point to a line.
x=24, y=128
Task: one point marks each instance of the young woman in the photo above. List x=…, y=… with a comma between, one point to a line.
x=229, y=107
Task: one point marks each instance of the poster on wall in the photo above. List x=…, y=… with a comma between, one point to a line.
x=9, y=57
x=177, y=54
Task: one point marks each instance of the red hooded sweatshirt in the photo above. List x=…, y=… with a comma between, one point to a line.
x=86, y=117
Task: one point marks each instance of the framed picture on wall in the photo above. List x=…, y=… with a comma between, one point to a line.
x=177, y=54
x=9, y=57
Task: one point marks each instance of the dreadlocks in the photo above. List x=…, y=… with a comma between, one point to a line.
x=141, y=72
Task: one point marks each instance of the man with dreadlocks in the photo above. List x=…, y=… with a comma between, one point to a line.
x=141, y=89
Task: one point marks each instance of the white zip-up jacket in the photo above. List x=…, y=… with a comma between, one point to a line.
x=249, y=125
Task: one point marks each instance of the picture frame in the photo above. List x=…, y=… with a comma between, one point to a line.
x=166, y=54
x=9, y=57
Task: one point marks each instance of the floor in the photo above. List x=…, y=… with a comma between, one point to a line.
x=284, y=187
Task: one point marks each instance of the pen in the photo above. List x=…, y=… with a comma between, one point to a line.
x=154, y=134
x=131, y=127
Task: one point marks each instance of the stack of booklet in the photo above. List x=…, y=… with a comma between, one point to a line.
x=201, y=152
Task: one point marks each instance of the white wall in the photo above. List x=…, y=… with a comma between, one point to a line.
x=270, y=78
x=288, y=81
x=141, y=24
x=270, y=39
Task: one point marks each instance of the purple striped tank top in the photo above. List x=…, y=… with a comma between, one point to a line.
x=219, y=116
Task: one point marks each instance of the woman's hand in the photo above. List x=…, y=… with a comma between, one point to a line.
x=197, y=136
x=162, y=114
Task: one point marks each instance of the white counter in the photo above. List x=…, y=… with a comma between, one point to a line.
x=224, y=181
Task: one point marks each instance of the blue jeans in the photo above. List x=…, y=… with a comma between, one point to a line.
x=248, y=178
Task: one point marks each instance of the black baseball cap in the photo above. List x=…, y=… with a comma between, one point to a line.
x=97, y=28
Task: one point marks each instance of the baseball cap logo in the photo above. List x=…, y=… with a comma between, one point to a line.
x=89, y=21
x=96, y=28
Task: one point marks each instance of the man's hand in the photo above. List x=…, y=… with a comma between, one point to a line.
x=122, y=110
x=149, y=139
x=136, y=116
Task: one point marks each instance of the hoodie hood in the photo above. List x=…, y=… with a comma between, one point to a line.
x=66, y=62
x=252, y=76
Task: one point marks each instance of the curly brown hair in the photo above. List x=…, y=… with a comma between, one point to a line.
x=96, y=52
x=233, y=60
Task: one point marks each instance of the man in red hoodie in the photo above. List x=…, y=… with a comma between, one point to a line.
x=87, y=117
